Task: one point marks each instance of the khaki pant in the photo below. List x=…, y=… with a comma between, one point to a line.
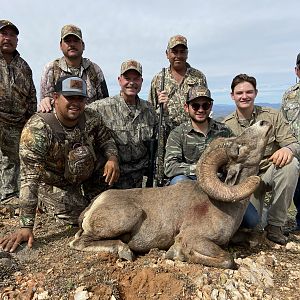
x=282, y=183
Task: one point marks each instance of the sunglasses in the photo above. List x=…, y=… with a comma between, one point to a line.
x=204, y=106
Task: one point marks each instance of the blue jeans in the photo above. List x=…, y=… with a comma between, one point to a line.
x=178, y=178
x=251, y=217
x=297, y=202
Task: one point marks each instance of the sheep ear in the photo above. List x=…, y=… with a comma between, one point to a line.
x=232, y=174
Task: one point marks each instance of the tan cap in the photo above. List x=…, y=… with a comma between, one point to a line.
x=197, y=92
x=298, y=59
x=131, y=65
x=177, y=40
x=70, y=30
x=6, y=23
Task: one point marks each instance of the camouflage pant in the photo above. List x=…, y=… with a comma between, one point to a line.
x=129, y=181
x=64, y=203
x=9, y=160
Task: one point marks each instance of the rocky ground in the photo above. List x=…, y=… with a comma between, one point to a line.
x=51, y=270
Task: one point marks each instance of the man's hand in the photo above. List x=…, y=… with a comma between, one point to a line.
x=163, y=98
x=111, y=170
x=282, y=157
x=11, y=242
x=46, y=104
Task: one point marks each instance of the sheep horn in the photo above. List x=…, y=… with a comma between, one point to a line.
x=207, y=169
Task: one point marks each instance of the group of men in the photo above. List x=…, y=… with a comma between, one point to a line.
x=70, y=152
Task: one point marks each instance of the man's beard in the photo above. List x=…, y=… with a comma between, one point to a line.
x=199, y=121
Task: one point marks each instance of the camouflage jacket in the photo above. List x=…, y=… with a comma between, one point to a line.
x=185, y=145
x=132, y=128
x=17, y=92
x=43, y=156
x=291, y=108
x=281, y=135
x=177, y=93
x=89, y=71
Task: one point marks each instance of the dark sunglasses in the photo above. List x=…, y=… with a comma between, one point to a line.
x=204, y=106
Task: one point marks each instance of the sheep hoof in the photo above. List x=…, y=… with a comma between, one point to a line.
x=125, y=254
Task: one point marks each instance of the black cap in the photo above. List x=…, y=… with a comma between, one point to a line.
x=6, y=23
x=71, y=86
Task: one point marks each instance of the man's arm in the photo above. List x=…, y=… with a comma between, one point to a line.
x=174, y=164
x=31, y=100
x=106, y=144
x=31, y=162
x=101, y=87
x=47, y=88
x=153, y=97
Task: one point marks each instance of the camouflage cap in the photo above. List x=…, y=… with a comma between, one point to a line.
x=177, y=40
x=71, y=30
x=298, y=59
x=6, y=23
x=197, y=92
x=131, y=65
x=71, y=86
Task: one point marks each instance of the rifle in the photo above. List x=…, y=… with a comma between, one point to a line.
x=152, y=146
x=161, y=139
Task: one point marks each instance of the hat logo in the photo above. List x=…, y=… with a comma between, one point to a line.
x=76, y=84
x=133, y=64
x=180, y=39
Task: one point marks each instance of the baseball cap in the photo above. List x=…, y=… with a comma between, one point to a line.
x=131, y=65
x=71, y=30
x=71, y=86
x=198, y=91
x=6, y=23
x=177, y=40
x=298, y=59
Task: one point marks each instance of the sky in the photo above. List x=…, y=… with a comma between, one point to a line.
x=225, y=38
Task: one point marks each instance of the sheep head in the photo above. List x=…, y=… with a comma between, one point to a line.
x=241, y=155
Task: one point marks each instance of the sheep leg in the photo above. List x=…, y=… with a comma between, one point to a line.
x=202, y=251
x=85, y=243
x=210, y=254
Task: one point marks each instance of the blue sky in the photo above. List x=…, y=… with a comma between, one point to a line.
x=225, y=38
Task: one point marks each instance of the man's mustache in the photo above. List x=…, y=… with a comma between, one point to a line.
x=7, y=43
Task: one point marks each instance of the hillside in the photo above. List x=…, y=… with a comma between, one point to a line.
x=222, y=110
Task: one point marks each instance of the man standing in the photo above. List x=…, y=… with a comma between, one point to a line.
x=187, y=142
x=178, y=79
x=17, y=104
x=291, y=111
x=279, y=169
x=60, y=152
x=72, y=63
x=132, y=121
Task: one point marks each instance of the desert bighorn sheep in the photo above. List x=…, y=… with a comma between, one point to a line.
x=190, y=219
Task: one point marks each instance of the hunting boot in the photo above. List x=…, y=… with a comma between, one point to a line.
x=11, y=202
x=275, y=234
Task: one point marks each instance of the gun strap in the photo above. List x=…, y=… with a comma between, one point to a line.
x=56, y=127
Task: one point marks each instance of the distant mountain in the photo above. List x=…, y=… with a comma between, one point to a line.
x=222, y=110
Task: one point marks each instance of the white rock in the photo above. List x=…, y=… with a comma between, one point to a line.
x=81, y=295
x=214, y=294
x=42, y=296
